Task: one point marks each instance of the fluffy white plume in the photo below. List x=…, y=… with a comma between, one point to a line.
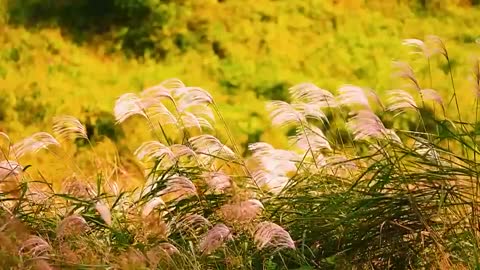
x=68, y=127
x=275, y=182
x=365, y=124
x=173, y=83
x=153, y=150
x=431, y=94
x=269, y=166
x=284, y=114
x=180, y=150
x=208, y=146
x=191, y=96
x=33, y=144
x=193, y=223
x=420, y=46
x=310, y=93
x=310, y=138
x=127, y=105
x=217, y=181
x=168, y=248
x=241, y=212
x=159, y=114
x=399, y=101
x=215, y=238
x=271, y=235
x=405, y=71
x=268, y=156
x=178, y=188
x=190, y=120
x=157, y=92
x=310, y=111
x=352, y=95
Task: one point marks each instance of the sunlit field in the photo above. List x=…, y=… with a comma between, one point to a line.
x=239, y=134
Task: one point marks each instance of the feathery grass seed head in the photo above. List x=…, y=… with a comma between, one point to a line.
x=215, y=238
x=68, y=127
x=33, y=144
x=271, y=235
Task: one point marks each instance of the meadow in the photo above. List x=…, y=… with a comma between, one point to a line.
x=239, y=134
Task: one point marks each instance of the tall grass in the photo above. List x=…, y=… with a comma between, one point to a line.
x=354, y=190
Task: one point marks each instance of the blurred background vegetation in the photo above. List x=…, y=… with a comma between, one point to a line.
x=77, y=56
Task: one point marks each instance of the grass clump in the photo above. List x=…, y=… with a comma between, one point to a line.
x=355, y=189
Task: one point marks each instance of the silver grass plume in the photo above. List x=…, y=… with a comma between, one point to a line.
x=153, y=150
x=400, y=101
x=78, y=188
x=217, y=181
x=215, y=238
x=127, y=105
x=365, y=125
x=284, y=114
x=147, y=105
x=157, y=92
x=271, y=235
x=209, y=147
x=178, y=188
x=68, y=127
x=310, y=111
x=405, y=71
x=191, y=96
x=193, y=107
x=310, y=138
x=190, y=120
x=35, y=247
x=33, y=144
x=269, y=166
x=370, y=93
x=439, y=45
x=193, y=223
x=173, y=83
x=159, y=114
x=310, y=93
x=350, y=95
x=241, y=212
x=433, y=95
x=420, y=47
x=270, y=158
x=336, y=165
x=163, y=90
